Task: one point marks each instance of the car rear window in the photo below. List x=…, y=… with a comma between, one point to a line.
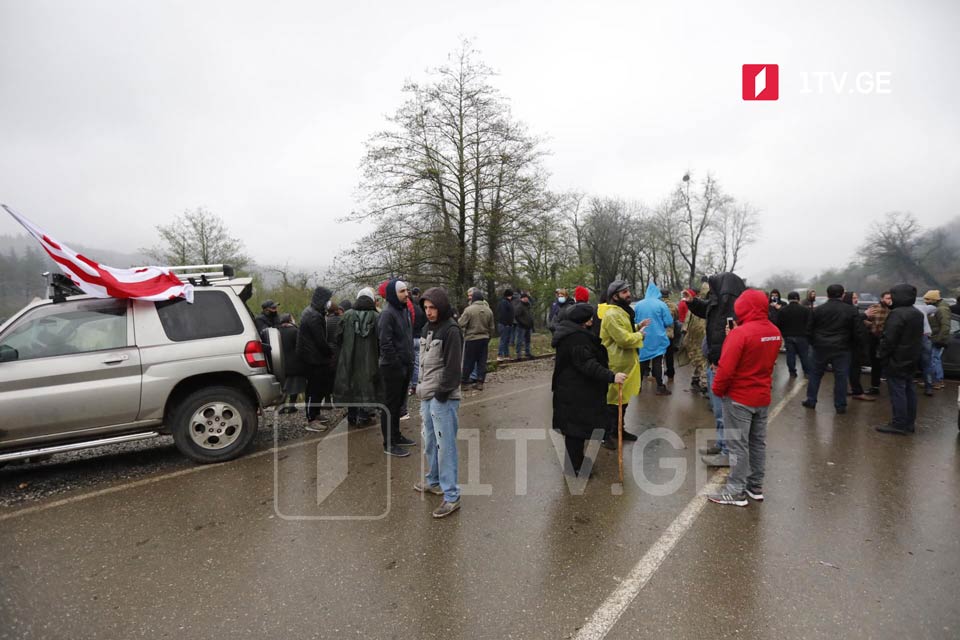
x=212, y=315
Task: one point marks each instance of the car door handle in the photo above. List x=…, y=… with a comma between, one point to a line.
x=116, y=359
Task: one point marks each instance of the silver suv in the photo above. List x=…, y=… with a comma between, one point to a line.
x=79, y=372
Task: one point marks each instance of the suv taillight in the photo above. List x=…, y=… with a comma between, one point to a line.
x=254, y=355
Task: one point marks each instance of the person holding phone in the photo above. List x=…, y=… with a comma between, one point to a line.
x=622, y=341
x=717, y=309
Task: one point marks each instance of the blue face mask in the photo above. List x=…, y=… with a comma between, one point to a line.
x=561, y=299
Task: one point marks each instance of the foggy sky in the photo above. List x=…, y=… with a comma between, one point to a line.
x=115, y=116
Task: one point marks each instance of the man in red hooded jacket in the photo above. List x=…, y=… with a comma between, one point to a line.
x=742, y=381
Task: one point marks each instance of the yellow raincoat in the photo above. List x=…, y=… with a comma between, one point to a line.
x=622, y=342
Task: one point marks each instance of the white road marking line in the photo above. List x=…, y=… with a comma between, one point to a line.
x=609, y=612
x=184, y=472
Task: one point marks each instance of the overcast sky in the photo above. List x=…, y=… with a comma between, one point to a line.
x=115, y=116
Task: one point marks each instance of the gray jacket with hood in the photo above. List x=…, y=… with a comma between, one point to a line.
x=441, y=352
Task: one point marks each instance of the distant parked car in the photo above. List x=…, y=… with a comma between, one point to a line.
x=951, y=355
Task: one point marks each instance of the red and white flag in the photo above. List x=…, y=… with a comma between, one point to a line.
x=143, y=283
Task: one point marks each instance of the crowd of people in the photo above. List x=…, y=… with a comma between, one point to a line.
x=370, y=354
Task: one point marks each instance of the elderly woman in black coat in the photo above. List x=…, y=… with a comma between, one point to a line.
x=580, y=379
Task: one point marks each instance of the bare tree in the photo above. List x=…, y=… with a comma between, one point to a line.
x=696, y=214
x=736, y=228
x=198, y=237
x=897, y=246
x=454, y=175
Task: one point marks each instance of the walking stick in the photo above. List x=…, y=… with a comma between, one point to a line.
x=620, y=429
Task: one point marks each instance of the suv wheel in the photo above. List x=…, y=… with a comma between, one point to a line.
x=215, y=424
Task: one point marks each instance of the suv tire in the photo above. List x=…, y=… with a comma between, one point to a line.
x=214, y=424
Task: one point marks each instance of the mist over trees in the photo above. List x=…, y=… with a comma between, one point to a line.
x=897, y=249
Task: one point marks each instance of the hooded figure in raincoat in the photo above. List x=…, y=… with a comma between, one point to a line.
x=621, y=340
x=655, y=340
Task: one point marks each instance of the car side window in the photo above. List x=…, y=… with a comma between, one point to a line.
x=212, y=315
x=68, y=328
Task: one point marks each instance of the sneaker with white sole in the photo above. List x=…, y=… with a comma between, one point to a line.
x=405, y=416
x=445, y=509
x=423, y=487
x=738, y=500
x=755, y=494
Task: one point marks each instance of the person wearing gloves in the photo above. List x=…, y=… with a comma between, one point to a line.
x=580, y=379
x=655, y=340
x=621, y=340
x=441, y=351
x=742, y=381
x=395, y=333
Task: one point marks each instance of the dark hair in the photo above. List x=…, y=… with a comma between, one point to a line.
x=507, y=293
x=664, y=292
x=793, y=295
x=885, y=293
x=848, y=297
x=775, y=291
x=835, y=291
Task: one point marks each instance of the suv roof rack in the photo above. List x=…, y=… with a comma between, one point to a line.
x=59, y=286
x=203, y=275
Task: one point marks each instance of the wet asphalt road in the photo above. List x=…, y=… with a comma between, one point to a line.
x=858, y=536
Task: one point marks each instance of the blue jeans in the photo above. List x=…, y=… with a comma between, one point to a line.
x=798, y=347
x=903, y=399
x=936, y=363
x=440, y=425
x=523, y=341
x=748, y=450
x=717, y=405
x=506, y=337
x=926, y=363
x=841, y=375
x=416, y=362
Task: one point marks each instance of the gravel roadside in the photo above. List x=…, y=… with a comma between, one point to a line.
x=25, y=483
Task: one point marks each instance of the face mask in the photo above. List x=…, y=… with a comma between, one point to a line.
x=775, y=298
x=561, y=299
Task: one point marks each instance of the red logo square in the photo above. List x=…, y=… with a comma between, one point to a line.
x=761, y=81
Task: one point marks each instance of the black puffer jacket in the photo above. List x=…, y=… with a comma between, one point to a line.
x=836, y=327
x=580, y=381
x=725, y=288
x=395, y=332
x=312, y=346
x=902, y=339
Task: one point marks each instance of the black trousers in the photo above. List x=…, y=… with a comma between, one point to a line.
x=876, y=366
x=396, y=379
x=475, y=355
x=575, y=448
x=654, y=365
x=319, y=388
x=855, y=386
x=668, y=359
x=613, y=420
